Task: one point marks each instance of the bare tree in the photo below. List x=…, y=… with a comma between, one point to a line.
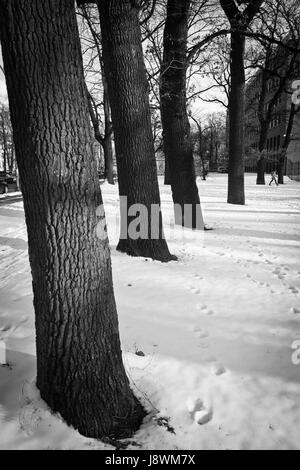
x=97, y=87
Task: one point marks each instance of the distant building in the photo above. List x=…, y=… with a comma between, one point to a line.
x=278, y=125
x=293, y=159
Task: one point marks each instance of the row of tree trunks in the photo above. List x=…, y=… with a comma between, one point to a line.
x=129, y=99
x=80, y=373
x=176, y=128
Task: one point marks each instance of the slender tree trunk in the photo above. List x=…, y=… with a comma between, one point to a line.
x=4, y=142
x=107, y=141
x=216, y=154
x=108, y=159
x=236, y=166
x=211, y=151
x=176, y=128
x=129, y=99
x=261, y=163
x=11, y=161
x=80, y=373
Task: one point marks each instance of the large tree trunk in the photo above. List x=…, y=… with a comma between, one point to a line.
x=236, y=192
x=128, y=92
x=176, y=128
x=80, y=373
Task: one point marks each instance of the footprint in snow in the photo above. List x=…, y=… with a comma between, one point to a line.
x=200, y=412
x=194, y=290
x=198, y=277
x=218, y=369
x=203, y=345
x=264, y=284
x=200, y=332
x=293, y=290
x=295, y=310
x=204, y=309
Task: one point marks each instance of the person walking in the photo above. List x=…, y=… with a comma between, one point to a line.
x=273, y=178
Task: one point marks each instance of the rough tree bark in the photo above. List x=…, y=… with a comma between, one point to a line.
x=176, y=128
x=80, y=373
x=129, y=99
x=236, y=165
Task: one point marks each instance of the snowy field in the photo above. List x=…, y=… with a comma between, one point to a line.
x=216, y=328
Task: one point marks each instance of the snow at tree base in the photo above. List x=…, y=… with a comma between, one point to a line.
x=207, y=340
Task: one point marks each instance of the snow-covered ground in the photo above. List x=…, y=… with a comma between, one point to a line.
x=216, y=328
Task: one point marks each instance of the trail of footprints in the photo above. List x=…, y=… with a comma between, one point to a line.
x=281, y=272
x=201, y=413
